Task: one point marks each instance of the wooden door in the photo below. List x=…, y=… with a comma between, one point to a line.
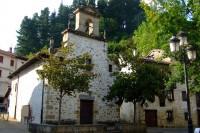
x=86, y=112
x=198, y=99
x=151, y=118
x=198, y=114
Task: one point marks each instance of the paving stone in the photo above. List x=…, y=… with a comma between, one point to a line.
x=12, y=127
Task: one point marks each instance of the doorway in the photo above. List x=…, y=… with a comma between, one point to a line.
x=86, y=111
x=151, y=118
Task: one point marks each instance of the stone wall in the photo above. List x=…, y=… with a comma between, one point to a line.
x=102, y=111
x=82, y=18
x=123, y=128
x=178, y=106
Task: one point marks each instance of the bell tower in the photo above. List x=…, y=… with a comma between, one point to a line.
x=87, y=20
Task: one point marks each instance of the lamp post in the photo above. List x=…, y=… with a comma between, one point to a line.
x=188, y=53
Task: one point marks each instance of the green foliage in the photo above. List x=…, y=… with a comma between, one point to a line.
x=120, y=17
x=143, y=82
x=72, y=72
x=27, y=37
x=66, y=74
x=122, y=49
x=164, y=19
x=176, y=76
x=35, y=32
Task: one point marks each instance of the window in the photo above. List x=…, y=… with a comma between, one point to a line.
x=186, y=115
x=89, y=61
x=1, y=100
x=11, y=62
x=0, y=72
x=1, y=59
x=184, y=96
x=162, y=101
x=198, y=99
x=170, y=95
x=89, y=27
x=110, y=68
x=169, y=115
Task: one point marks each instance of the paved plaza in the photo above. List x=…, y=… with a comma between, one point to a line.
x=12, y=127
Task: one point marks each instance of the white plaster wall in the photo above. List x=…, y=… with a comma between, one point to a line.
x=12, y=97
x=29, y=93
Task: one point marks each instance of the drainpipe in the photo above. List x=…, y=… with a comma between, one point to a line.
x=16, y=87
x=41, y=117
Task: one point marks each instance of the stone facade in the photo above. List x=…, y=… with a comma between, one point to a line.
x=173, y=111
x=87, y=20
x=178, y=108
x=83, y=42
x=102, y=110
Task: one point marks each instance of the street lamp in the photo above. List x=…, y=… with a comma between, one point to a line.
x=188, y=53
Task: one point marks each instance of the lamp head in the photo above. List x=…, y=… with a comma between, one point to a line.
x=182, y=36
x=174, y=44
x=191, y=53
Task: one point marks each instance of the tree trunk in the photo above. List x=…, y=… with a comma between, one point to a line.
x=60, y=108
x=134, y=117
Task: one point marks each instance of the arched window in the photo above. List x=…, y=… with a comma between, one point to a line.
x=89, y=27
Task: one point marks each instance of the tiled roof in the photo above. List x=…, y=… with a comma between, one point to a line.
x=27, y=64
x=12, y=55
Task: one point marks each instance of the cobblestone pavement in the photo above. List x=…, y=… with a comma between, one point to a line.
x=12, y=127
x=166, y=130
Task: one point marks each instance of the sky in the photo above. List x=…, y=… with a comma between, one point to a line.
x=12, y=13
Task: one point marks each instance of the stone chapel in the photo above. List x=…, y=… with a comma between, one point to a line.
x=84, y=108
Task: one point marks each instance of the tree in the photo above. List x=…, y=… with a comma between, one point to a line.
x=142, y=84
x=76, y=3
x=35, y=32
x=91, y=3
x=43, y=28
x=27, y=38
x=73, y=73
x=61, y=23
x=123, y=15
x=143, y=81
x=119, y=19
x=164, y=19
